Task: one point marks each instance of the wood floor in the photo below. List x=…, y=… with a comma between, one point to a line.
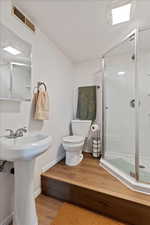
x=90, y=186
x=48, y=208
x=90, y=175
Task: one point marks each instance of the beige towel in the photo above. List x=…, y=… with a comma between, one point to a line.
x=42, y=105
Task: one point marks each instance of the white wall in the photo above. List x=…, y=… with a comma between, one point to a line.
x=88, y=73
x=50, y=65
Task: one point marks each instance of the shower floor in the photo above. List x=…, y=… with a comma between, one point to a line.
x=128, y=167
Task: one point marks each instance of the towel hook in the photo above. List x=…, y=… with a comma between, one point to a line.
x=41, y=83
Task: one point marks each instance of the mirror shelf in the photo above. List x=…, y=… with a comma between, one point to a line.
x=10, y=99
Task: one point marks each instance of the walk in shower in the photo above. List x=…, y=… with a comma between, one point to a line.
x=126, y=110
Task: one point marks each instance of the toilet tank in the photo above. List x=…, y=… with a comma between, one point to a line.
x=81, y=127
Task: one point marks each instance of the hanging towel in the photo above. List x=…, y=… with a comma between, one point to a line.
x=86, y=109
x=41, y=105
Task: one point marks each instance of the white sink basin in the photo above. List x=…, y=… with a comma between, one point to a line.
x=24, y=148
x=23, y=151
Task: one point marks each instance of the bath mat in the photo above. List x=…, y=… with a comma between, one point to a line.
x=73, y=215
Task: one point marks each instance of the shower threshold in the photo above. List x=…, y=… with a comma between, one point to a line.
x=127, y=180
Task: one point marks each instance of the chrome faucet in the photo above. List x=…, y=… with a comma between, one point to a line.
x=18, y=133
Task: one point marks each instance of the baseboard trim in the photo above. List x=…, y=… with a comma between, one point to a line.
x=45, y=168
x=7, y=220
x=52, y=163
x=37, y=192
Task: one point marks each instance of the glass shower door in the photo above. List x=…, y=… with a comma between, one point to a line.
x=119, y=106
x=144, y=107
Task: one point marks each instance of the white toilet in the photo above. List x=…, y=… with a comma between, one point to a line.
x=73, y=145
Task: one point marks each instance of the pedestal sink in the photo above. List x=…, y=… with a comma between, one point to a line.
x=23, y=151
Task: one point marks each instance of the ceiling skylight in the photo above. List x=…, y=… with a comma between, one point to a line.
x=12, y=50
x=121, y=14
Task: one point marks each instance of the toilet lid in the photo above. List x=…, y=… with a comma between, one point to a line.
x=73, y=139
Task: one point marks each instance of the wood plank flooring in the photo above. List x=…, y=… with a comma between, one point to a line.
x=48, y=208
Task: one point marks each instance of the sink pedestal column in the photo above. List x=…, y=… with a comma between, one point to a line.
x=24, y=207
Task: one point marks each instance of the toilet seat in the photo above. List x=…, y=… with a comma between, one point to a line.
x=73, y=139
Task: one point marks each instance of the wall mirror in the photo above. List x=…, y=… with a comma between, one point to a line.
x=15, y=67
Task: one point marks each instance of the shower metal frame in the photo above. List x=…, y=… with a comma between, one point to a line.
x=134, y=33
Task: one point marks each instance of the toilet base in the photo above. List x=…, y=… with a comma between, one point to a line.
x=73, y=159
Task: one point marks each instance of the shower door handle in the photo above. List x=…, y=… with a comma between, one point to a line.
x=132, y=103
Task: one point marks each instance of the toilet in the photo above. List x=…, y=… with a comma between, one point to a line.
x=73, y=145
